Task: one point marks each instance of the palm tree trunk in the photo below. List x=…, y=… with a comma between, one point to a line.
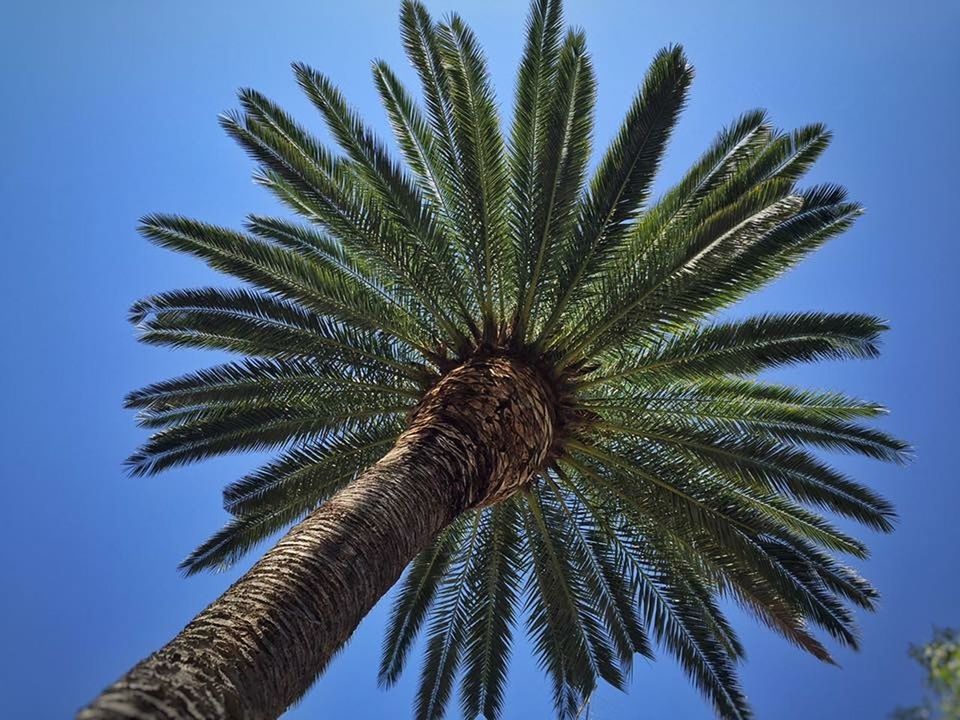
x=477, y=436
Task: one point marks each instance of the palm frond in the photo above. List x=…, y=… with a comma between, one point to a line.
x=535, y=80
x=711, y=405
x=480, y=149
x=396, y=194
x=553, y=620
x=732, y=147
x=447, y=630
x=287, y=489
x=823, y=213
x=283, y=273
x=420, y=148
x=327, y=190
x=560, y=543
x=768, y=466
x=261, y=325
x=422, y=44
x=681, y=617
x=621, y=186
x=496, y=580
x=636, y=300
x=790, y=155
x=606, y=577
x=713, y=514
x=259, y=382
x=209, y=431
x=414, y=598
x=348, y=270
x=561, y=169
x=747, y=346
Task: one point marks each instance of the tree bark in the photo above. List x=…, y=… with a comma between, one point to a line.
x=476, y=437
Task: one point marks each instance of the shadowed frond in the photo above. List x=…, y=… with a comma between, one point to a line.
x=413, y=601
x=218, y=429
x=447, y=628
x=315, y=470
x=258, y=382
x=668, y=587
x=263, y=326
x=553, y=618
x=497, y=583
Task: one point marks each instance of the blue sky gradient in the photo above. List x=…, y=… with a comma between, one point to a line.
x=110, y=112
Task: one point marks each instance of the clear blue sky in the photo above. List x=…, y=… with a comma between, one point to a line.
x=109, y=112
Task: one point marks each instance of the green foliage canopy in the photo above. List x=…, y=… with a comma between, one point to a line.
x=940, y=660
x=681, y=478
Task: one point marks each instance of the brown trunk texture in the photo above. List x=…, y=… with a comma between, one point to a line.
x=476, y=437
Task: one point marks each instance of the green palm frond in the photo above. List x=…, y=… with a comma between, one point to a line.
x=447, y=628
x=670, y=585
x=528, y=141
x=214, y=430
x=605, y=577
x=748, y=346
x=732, y=148
x=621, y=185
x=259, y=382
x=561, y=169
x=480, y=150
x=262, y=325
x=284, y=273
x=496, y=585
x=553, y=618
x=395, y=193
x=328, y=190
x=680, y=491
x=749, y=409
x=419, y=146
x=414, y=598
x=439, y=159
x=344, y=269
x=570, y=586
x=638, y=298
x=535, y=81
x=681, y=480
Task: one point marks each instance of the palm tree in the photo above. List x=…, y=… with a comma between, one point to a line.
x=486, y=364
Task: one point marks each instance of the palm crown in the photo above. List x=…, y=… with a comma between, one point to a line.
x=676, y=478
